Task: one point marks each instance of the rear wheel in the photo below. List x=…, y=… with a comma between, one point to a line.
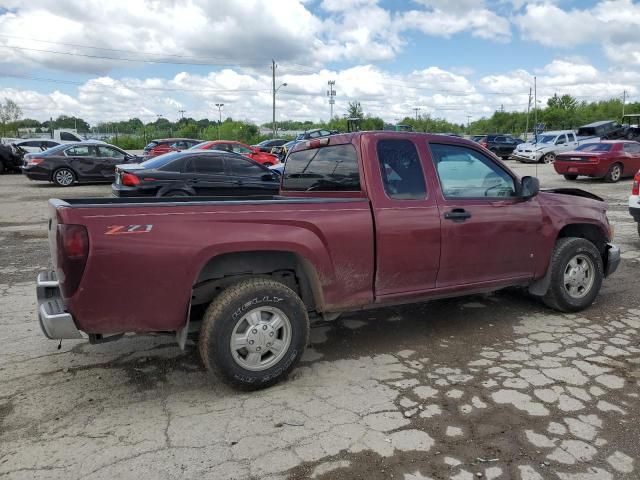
x=64, y=177
x=576, y=275
x=254, y=333
x=570, y=177
x=614, y=174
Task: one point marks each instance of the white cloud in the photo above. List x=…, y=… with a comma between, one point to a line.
x=246, y=95
x=611, y=24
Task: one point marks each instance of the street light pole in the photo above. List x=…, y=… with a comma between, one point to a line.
x=417, y=109
x=274, y=108
x=219, y=105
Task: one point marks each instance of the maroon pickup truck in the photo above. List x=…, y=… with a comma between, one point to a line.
x=362, y=220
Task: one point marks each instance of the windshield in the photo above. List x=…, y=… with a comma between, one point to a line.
x=300, y=136
x=161, y=160
x=594, y=147
x=151, y=145
x=546, y=138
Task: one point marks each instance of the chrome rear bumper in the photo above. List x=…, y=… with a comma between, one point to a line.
x=55, y=322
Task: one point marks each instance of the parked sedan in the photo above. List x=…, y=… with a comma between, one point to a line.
x=69, y=163
x=266, y=159
x=610, y=160
x=195, y=173
x=165, y=145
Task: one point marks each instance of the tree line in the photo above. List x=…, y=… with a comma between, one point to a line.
x=560, y=112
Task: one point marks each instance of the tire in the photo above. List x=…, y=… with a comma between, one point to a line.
x=63, y=177
x=2, y=168
x=573, y=289
x=548, y=158
x=638, y=224
x=176, y=193
x=252, y=302
x=570, y=177
x=614, y=174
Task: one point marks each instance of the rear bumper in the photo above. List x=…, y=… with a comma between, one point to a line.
x=579, y=168
x=55, y=322
x=613, y=259
x=36, y=174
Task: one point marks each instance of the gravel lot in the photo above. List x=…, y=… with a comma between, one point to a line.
x=492, y=387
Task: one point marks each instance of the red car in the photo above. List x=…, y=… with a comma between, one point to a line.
x=166, y=145
x=362, y=220
x=266, y=159
x=611, y=160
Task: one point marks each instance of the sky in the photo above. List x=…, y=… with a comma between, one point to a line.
x=454, y=59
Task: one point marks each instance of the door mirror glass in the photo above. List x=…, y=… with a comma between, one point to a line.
x=529, y=187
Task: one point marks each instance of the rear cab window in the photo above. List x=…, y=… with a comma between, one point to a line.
x=401, y=170
x=333, y=168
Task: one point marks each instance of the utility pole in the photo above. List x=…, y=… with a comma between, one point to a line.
x=535, y=109
x=526, y=129
x=219, y=105
x=273, y=72
x=416, y=109
x=181, y=112
x=468, y=124
x=624, y=100
x=331, y=93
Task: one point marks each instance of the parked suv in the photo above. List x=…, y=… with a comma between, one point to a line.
x=501, y=145
x=603, y=130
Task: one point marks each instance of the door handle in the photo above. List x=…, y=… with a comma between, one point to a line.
x=457, y=215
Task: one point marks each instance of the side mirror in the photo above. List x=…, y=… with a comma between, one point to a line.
x=529, y=187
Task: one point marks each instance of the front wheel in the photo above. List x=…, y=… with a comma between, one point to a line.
x=64, y=177
x=576, y=275
x=549, y=158
x=570, y=177
x=614, y=174
x=254, y=333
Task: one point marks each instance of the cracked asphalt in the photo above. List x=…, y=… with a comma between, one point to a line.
x=493, y=386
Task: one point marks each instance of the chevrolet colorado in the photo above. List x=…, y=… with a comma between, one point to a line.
x=362, y=220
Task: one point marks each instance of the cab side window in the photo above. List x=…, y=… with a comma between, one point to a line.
x=467, y=173
x=401, y=170
x=328, y=169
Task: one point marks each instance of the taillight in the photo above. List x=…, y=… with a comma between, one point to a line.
x=635, y=190
x=35, y=161
x=318, y=142
x=484, y=144
x=72, y=252
x=130, y=180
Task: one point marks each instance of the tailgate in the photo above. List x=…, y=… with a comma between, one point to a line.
x=53, y=230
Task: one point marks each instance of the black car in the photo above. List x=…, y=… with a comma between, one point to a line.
x=69, y=163
x=196, y=173
x=267, y=145
x=501, y=145
x=605, y=130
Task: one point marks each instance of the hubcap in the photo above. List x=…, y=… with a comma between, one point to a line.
x=64, y=177
x=615, y=173
x=260, y=338
x=549, y=158
x=579, y=276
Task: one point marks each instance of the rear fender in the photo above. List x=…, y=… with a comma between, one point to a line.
x=174, y=186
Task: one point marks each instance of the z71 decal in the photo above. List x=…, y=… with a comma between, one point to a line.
x=126, y=229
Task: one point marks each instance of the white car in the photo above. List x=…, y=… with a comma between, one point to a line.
x=35, y=145
x=548, y=145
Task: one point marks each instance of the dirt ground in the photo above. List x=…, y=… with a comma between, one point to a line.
x=493, y=387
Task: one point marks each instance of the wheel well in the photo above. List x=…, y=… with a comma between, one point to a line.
x=286, y=267
x=587, y=231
